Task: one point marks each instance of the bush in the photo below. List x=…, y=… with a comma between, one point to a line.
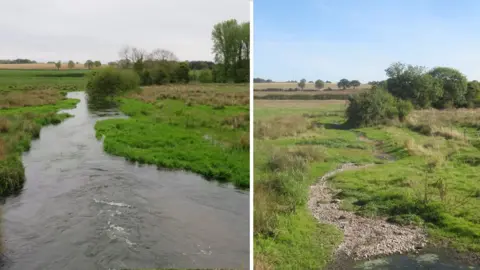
x=182, y=73
x=110, y=82
x=205, y=76
x=370, y=108
x=160, y=75
x=404, y=107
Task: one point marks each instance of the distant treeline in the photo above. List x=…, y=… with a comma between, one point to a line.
x=260, y=80
x=18, y=61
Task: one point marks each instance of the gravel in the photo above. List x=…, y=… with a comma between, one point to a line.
x=363, y=237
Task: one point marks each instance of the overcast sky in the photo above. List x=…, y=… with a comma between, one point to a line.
x=52, y=30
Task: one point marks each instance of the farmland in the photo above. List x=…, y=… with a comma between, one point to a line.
x=33, y=79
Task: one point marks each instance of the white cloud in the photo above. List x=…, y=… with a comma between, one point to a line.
x=96, y=29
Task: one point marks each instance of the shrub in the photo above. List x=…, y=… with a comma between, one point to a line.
x=370, y=108
x=404, y=107
x=110, y=82
x=160, y=75
x=205, y=76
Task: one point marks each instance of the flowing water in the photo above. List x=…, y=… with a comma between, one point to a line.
x=84, y=209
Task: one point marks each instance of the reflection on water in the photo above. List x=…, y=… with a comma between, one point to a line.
x=84, y=209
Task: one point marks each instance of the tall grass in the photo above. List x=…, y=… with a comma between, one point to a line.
x=19, y=125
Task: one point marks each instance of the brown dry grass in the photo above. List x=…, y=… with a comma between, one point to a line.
x=443, y=122
x=195, y=94
x=467, y=117
x=280, y=127
x=285, y=85
x=303, y=104
x=29, y=98
x=335, y=92
x=39, y=66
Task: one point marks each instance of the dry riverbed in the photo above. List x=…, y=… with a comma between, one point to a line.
x=363, y=237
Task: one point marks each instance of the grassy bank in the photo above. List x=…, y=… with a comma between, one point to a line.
x=301, y=144
x=22, y=115
x=203, y=129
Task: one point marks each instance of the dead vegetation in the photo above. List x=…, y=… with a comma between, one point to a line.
x=194, y=94
x=29, y=98
x=281, y=127
x=443, y=123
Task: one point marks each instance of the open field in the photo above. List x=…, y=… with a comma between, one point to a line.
x=306, y=95
x=423, y=172
x=200, y=128
x=41, y=66
x=308, y=86
x=70, y=80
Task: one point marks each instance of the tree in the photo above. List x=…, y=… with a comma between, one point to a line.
x=182, y=72
x=162, y=55
x=231, y=48
x=302, y=83
x=58, y=65
x=401, y=77
x=455, y=87
x=160, y=75
x=473, y=93
x=319, y=84
x=89, y=64
x=355, y=83
x=71, y=64
x=97, y=63
x=105, y=84
x=131, y=55
x=205, y=76
x=343, y=83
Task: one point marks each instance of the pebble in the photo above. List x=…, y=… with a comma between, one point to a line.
x=363, y=237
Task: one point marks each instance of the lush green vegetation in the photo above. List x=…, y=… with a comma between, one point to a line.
x=189, y=132
x=21, y=80
x=19, y=125
x=106, y=84
x=433, y=181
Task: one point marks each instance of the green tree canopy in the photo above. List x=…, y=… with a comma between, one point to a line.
x=89, y=64
x=319, y=84
x=354, y=83
x=302, y=83
x=343, y=83
x=455, y=87
x=71, y=64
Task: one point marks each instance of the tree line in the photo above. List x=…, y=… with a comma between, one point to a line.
x=17, y=61
x=408, y=87
x=231, y=48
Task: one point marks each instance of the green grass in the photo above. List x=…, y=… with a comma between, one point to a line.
x=71, y=80
x=171, y=134
x=19, y=127
x=395, y=190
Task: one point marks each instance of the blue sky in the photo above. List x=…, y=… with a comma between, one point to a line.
x=353, y=39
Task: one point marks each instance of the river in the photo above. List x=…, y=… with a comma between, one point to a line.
x=82, y=208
